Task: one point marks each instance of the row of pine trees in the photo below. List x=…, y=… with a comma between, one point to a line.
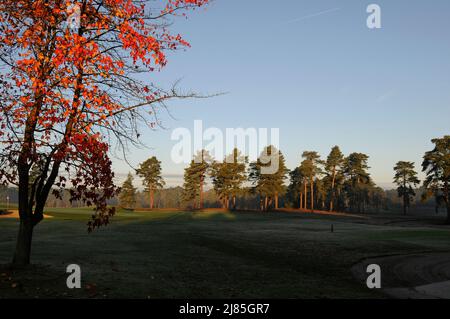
x=335, y=183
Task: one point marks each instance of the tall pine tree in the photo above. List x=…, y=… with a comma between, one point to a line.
x=333, y=168
x=150, y=172
x=406, y=180
x=268, y=186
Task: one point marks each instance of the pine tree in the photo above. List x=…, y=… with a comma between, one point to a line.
x=127, y=196
x=333, y=167
x=436, y=165
x=228, y=177
x=194, y=178
x=268, y=186
x=190, y=186
x=357, y=180
x=150, y=172
x=312, y=168
x=406, y=180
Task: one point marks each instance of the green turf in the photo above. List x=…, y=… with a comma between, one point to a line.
x=208, y=254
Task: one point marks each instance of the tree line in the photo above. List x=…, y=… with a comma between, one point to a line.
x=335, y=183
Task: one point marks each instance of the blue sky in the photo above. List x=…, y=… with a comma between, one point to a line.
x=314, y=70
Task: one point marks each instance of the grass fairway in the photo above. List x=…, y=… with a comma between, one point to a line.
x=209, y=254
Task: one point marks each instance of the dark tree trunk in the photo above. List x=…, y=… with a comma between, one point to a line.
x=332, y=191
x=23, y=246
x=448, y=213
x=405, y=206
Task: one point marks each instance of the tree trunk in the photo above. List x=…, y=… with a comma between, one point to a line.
x=404, y=205
x=23, y=246
x=332, y=192
x=306, y=196
x=301, y=201
x=234, y=202
x=276, y=200
x=201, y=194
x=448, y=212
x=152, y=200
x=266, y=200
x=312, y=195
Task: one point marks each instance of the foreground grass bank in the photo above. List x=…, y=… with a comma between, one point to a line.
x=214, y=254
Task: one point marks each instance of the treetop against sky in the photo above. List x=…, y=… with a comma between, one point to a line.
x=315, y=71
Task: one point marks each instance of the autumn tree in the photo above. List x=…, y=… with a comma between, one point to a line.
x=436, y=165
x=127, y=195
x=406, y=180
x=333, y=169
x=70, y=90
x=268, y=183
x=150, y=172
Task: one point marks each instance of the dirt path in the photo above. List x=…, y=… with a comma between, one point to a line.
x=15, y=214
x=416, y=276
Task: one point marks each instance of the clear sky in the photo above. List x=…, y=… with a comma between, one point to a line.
x=314, y=70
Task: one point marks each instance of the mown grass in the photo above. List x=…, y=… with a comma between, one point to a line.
x=211, y=254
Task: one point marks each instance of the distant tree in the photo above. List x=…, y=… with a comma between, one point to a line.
x=304, y=172
x=228, y=177
x=312, y=167
x=406, y=180
x=295, y=189
x=194, y=177
x=436, y=165
x=127, y=196
x=378, y=198
x=237, y=164
x=190, y=185
x=268, y=186
x=150, y=172
x=333, y=168
x=358, y=180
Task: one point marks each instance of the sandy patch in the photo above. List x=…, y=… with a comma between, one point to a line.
x=15, y=214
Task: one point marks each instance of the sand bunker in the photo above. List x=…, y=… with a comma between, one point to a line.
x=413, y=276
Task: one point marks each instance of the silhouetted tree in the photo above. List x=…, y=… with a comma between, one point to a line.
x=436, y=165
x=333, y=168
x=406, y=180
x=357, y=180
